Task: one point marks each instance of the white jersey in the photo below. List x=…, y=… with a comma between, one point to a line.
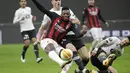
x=113, y=44
x=23, y=16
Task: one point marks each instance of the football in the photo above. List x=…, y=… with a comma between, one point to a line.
x=66, y=54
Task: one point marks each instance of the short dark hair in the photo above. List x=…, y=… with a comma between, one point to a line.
x=65, y=8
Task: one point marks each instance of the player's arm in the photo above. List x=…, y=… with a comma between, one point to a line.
x=112, y=69
x=17, y=18
x=83, y=22
x=32, y=16
x=39, y=34
x=43, y=9
x=100, y=44
x=45, y=21
x=77, y=31
x=101, y=18
x=73, y=18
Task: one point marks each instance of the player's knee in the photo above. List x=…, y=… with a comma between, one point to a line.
x=83, y=52
x=49, y=47
x=26, y=42
x=84, y=56
x=34, y=39
x=71, y=47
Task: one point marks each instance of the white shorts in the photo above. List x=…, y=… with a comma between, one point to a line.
x=96, y=33
x=46, y=41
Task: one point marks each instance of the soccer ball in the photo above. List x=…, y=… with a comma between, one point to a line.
x=66, y=54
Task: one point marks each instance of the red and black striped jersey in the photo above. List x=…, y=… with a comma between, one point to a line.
x=58, y=28
x=92, y=16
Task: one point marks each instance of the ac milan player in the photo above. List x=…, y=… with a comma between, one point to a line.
x=56, y=31
x=92, y=16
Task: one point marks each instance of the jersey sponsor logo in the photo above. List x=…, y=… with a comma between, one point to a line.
x=59, y=28
x=93, y=13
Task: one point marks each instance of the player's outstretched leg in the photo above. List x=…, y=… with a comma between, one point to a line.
x=23, y=54
x=38, y=59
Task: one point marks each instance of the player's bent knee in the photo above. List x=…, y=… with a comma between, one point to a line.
x=49, y=47
x=83, y=52
x=71, y=47
x=26, y=42
x=34, y=39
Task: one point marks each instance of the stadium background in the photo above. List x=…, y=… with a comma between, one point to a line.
x=116, y=12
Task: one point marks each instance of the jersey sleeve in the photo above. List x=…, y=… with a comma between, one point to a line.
x=110, y=40
x=73, y=16
x=107, y=41
x=46, y=20
x=100, y=16
x=84, y=13
x=52, y=15
x=29, y=9
x=17, y=17
x=76, y=31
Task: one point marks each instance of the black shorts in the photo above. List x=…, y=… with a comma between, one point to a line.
x=28, y=35
x=77, y=42
x=95, y=61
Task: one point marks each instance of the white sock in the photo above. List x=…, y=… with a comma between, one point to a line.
x=66, y=68
x=54, y=56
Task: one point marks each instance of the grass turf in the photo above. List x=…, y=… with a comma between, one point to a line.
x=10, y=61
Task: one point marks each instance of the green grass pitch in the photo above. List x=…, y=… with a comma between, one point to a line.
x=10, y=61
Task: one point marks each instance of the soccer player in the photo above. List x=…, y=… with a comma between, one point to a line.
x=66, y=43
x=24, y=17
x=56, y=31
x=105, y=52
x=78, y=44
x=92, y=16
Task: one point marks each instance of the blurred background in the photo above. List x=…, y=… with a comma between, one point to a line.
x=116, y=12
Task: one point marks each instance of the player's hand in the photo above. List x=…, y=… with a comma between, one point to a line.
x=34, y=18
x=84, y=27
x=83, y=31
x=107, y=24
x=94, y=52
x=37, y=42
x=75, y=21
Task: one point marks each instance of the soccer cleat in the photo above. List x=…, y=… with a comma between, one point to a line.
x=39, y=59
x=22, y=59
x=109, y=59
x=68, y=62
x=77, y=70
x=83, y=71
x=66, y=68
x=93, y=71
